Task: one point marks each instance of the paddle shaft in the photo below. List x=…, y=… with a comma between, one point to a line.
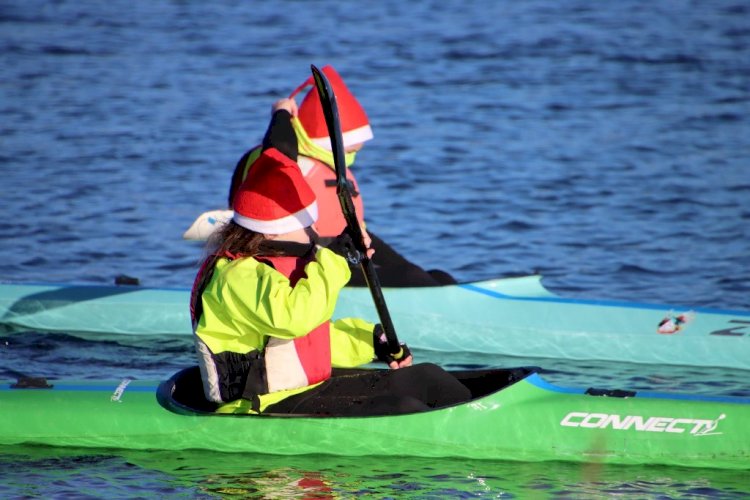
x=343, y=190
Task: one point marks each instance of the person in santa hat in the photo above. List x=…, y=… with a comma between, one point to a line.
x=315, y=159
x=262, y=306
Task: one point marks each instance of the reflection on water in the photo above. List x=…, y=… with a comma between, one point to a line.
x=206, y=474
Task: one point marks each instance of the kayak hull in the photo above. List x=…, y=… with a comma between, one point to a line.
x=526, y=420
x=510, y=316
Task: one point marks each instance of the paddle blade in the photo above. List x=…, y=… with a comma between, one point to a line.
x=331, y=113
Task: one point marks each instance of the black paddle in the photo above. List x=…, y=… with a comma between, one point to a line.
x=331, y=112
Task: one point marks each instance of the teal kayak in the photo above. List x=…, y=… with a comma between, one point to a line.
x=509, y=316
x=514, y=414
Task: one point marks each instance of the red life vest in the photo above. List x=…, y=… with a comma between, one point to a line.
x=322, y=180
x=303, y=361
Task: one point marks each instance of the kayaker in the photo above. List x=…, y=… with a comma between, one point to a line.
x=263, y=300
x=316, y=161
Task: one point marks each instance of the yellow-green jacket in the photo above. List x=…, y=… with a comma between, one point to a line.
x=251, y=318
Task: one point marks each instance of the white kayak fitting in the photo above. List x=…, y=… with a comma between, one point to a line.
x=206, y=224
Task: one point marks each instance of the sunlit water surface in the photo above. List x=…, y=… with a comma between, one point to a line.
x=603, y=145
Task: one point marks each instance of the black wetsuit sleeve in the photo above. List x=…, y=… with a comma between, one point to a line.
x=280, y=134
x=237, y=178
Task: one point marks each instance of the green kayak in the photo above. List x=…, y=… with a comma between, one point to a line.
x=505, y=316
x=514, y=415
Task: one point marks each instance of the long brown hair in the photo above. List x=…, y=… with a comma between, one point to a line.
x=234, y=241
x=231, y=240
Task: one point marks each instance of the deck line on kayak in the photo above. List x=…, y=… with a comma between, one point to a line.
x=127, y=289
x=538, y=381
x=120, y=288
x=96, y=386
x=694, y=397
x=596, y=302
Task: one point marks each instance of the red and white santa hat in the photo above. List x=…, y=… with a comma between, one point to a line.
x=274, y=198
x=355, y=126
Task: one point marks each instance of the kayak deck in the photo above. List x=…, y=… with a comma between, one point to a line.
x=183, y=392
x=515, y=415
x=506, y=316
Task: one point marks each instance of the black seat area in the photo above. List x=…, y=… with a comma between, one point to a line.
x=183, y=392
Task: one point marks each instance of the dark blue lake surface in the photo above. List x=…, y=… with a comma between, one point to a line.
x=603, y=145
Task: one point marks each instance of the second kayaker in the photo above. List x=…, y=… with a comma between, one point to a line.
x=316, y=162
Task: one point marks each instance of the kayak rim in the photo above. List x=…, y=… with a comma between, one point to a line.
x=183, y=393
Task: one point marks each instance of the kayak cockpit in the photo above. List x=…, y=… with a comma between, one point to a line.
x=183, y=392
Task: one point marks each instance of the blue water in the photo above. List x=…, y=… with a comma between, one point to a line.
x=602, y=144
